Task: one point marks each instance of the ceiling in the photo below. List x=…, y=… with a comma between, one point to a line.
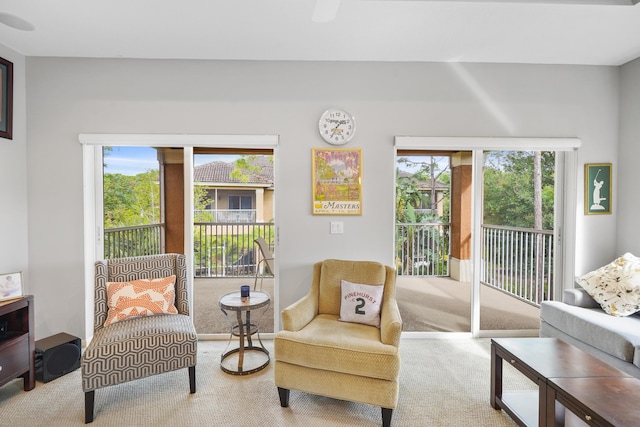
x=505, y=31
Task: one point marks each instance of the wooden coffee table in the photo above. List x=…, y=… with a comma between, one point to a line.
x=598, y=401
x=540, y=360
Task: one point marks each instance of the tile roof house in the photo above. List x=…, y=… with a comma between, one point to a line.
x=248, y=198
x=426, y=187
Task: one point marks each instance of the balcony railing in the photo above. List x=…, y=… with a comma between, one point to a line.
x=134, y=241
x=422, y=249
x=228, y=249
x=518, y=261
x=225, y=215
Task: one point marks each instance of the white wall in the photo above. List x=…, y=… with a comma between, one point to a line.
x=71, y=96
x=629, y=172
x=13, y=179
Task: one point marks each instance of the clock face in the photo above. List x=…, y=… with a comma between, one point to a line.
x=337, y=127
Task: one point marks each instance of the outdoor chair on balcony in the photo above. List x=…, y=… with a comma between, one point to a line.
x=330, y=344
x=142, y=325
x=267, y=260
x=243, y=266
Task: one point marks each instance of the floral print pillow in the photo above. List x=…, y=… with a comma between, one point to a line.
x=615, y=286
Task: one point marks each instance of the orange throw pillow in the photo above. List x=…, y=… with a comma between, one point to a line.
x=144, y=297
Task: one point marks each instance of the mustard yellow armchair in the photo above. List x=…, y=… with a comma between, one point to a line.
x=318, y=354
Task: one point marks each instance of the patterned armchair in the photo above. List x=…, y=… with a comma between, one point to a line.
x=316, y=353
x=138, y=347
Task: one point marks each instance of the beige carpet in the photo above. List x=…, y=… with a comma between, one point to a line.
x=442, y=383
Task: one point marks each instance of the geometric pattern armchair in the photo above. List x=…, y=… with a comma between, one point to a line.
x=141, y=346
x=317, y=354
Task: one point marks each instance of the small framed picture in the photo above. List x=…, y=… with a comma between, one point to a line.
x=597, y=188
x=10, y=286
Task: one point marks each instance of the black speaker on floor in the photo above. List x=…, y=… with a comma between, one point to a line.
x=56, y=356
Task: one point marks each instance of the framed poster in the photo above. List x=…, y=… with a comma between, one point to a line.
x=597, y=188
x=10, y=286
x=337, y=181
x=6, y=99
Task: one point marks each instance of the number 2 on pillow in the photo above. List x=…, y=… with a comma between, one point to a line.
x=359, y=306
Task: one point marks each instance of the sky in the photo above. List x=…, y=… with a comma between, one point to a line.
x=135, y=160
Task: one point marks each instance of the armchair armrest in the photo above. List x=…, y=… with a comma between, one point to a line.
x=300, y=313
x=579, y=297
x=390, y=323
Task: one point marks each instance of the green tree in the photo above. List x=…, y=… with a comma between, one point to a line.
x=510, y=189
x=247, y=165
x=410, y=188
x=131, y=200
x=407, y=196
x=419, y=246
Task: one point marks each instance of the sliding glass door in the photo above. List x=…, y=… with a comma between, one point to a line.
x=519, y=259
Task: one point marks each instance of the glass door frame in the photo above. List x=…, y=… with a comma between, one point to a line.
x=566, y=200
x=93, y=193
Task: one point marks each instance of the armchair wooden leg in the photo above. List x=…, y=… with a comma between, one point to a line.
x=386, y=417
x=284, y=396
x=192, y=378
x=89, y=398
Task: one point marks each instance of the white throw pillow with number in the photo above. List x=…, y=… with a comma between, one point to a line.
x=360, y=303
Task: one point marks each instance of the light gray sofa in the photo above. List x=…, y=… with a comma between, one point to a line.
x=580, y=321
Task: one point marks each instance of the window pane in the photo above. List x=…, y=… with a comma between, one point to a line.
x=245, y=202
x=234, y=202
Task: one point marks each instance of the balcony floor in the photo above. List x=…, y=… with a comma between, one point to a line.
x=440, y=304
x=427, y=304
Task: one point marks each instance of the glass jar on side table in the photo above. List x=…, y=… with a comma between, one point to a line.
x=249, y=358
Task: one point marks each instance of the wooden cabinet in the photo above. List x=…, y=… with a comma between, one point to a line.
x=17, y=344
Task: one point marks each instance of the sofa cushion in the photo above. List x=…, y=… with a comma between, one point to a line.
x=137, y=348
x=330, y=345
x=617, y=336
x=616, y=286
x=361, y=303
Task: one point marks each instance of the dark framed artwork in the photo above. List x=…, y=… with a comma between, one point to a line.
x=6, y=94
x=597, y=188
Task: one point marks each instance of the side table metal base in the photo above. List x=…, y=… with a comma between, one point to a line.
x=247, y=358
x=256, y=359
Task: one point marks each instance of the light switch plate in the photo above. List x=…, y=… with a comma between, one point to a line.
x=337, y=227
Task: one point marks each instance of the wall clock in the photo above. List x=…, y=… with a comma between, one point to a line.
x=337, y=126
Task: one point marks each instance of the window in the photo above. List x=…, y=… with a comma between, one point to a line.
x=239, y=202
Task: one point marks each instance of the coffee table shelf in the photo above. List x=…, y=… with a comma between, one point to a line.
x=521, y=406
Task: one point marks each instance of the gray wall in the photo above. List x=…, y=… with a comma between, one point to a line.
x=13, y=179
x=629, y=172
x=71, y=96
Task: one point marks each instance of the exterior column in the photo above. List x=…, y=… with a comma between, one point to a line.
x=259, y=204
x=173, y=201
x=461, y=180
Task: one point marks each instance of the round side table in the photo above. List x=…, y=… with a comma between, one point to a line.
x=249, y=358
